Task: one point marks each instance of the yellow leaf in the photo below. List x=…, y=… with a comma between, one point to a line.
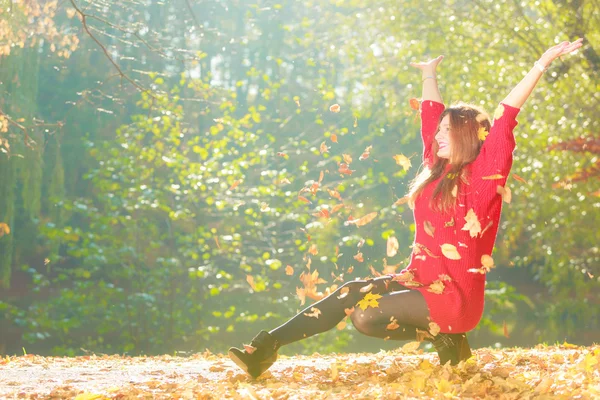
x=499, y=112
x=4, y=229
x=392, y=246
x=403, y=161
x=482, y=133
x=487, y=261
x=437, y=287
x=450, y=252
x=411, y=347
x=370, y=300
x=90, y=396
x=505, y=193
x=429, y=228
x=472, y=224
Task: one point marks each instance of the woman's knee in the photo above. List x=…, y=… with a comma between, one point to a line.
x=364, y=321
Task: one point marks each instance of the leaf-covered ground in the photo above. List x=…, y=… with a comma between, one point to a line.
x=545, y=372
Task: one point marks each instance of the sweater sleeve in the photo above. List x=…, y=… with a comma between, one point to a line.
x=496, y=155
x=430, y=117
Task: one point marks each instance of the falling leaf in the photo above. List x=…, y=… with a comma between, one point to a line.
x=235, y=184
x=472, y=223
x=366, y=153
x=314, y=314
x=437, y=287
x=345, y=169
x=343, y=292
x=359, y=257
x=323, y=148
x=392, y=246
x=280, y=154
x=370, y=300
x=349, y=311
x=414, y=104
x=482, y=133
x=347, y=158
x=434, y=328
x=366, y=288
x=70, y=12
x=249, y=349
x=403, y=161
x=334, y=138
x=505, y=193
x=492, y=177
x=335, y=194
x=393, y=324
x=505, y=329
x=487, y=261
x=336, y=208
x=313, y=249
x=499, y=112
x=402, y=200
x=341, y=325
x=410, y=347
x=404, y=276
x=284, y=181
x=4, y=229
x=355, y=122
x=289, y=270
x=335, y=108
x=429, y=228
x=518, y=178
x=363, y=220
x=301, y=293
x=304, y=199
x=450, y=252
x=250, y=280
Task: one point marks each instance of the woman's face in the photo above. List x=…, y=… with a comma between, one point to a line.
x=443, y=138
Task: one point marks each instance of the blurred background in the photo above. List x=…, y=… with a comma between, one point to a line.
x=170, y=170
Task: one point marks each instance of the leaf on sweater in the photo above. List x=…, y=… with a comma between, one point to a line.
x=472, y=223
x=429, y=228
x=363, y=220
x=403, y=161
x=499, y=112
x=444, y=277
x=393, y=324
x=487, y=261
x=314, y=314
x=404, y=276
x=392, y=246
x=434, y=328
x=505, y=193
x=488, y=226
x=492, y=177
x=418, y=247
x=455, y=191
x=437, y=287
x=450, y=252
x=370, y=300
x=449, y=223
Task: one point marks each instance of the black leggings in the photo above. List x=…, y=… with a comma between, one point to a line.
x=408, y=307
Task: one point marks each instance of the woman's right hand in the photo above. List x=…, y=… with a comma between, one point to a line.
x=428, y=66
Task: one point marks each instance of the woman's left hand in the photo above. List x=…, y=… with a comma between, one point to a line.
x=559, y=50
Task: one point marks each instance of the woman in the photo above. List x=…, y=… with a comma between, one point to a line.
x=457, y=202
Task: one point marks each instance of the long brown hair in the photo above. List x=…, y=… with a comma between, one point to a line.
x=466, y=135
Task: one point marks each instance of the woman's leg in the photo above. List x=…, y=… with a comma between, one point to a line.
x=407, y=306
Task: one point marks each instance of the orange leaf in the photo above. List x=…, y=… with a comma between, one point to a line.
x=518, y=178
x=505, y=193
x=289, y=270
x=301, y=293
x=366, y=153
x=348, y=311
x=334, y=138
x=313, y=249
x=235, y=184
x=349, y=271
x=363, y=220
x=335, y=194
x=249, y=349
x=347, y=158
x=323, y=148
x=343, y=292
x=393, y=324
x=341, y=325
x=414, y=104
x=304, y=199
x=392, y=246
x=491, y=177
x=359, y=257
x=280, y=154
x=250, y=280
x=505, y=329
x=336, y=208
x=4, y=229
x=345, y=169
x=402, y=200
x=314, y=314
x=335, y=108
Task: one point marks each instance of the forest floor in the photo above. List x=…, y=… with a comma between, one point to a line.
x=544, y=372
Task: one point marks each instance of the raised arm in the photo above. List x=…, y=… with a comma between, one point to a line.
x=430, y=84
x=516, y=98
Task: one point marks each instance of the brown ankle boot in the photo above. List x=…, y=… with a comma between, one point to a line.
x=260, y=359
x=452, y=347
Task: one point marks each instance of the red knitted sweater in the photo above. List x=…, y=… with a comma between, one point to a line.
x=459, y=306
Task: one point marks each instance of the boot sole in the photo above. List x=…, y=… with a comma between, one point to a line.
x=238, y=361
